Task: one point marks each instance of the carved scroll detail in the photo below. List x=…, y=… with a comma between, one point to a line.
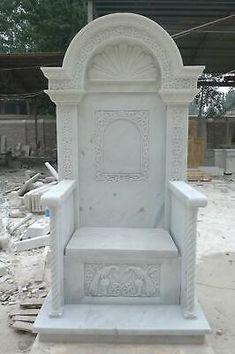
x=177, y=138
x=66, y=129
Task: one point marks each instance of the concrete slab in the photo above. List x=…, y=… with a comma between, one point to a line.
x=214, y=171
x=101, y=348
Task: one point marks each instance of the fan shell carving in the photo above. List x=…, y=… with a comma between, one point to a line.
x=123, y=62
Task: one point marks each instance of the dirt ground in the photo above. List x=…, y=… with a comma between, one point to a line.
x=215, y=268
x=216, y=262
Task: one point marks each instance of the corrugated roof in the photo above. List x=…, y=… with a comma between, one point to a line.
x=213, y=45
x=21, y=74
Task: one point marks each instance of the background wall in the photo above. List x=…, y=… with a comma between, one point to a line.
x=21, y=129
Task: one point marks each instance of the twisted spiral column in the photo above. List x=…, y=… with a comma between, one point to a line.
x=189, y=262
x=56, y=267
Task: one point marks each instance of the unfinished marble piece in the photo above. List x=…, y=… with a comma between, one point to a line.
x=40, y=227
x=31, y=243
x=225, y=158
x=123, y=222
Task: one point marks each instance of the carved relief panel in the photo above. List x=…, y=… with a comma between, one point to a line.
x=122, y=280
x=122, y=145
x=121, y=159
x=123, y=62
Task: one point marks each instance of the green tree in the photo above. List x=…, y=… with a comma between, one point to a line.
x=39, y=25
x=211, y=102
x=229, y=100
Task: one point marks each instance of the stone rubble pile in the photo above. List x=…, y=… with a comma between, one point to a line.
x=21, y=213
x=24, y=233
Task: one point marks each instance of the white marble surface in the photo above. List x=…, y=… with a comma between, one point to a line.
x=230, y=161
x=120, y=321
x=121, y=160
x=190, y=196
x=225, y=158
x=58, y=193
x=122, y=239
x=122, y=99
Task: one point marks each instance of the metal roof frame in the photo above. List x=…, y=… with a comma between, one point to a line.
x=204, y=31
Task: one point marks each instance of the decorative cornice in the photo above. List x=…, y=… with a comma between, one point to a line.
x=65, y=96
x=178, y=96
x=122, y=29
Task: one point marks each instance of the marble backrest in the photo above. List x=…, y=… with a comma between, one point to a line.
x=122, y=97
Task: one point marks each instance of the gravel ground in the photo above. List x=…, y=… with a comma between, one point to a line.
x=215, y=267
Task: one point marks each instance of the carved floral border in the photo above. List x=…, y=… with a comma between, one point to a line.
x=141, y=119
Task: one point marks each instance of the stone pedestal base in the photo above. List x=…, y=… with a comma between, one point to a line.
x=100, y=348
x=121, y=324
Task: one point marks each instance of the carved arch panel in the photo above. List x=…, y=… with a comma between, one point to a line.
x=132, y=129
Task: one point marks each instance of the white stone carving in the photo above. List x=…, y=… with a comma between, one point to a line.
x=123, y=62
x=56, y=286
x=135, y=85
x=185, y=202
x=188, y=301
x=59, y=237
x=140, y=119
x=177, y=141
x=66, y=137
x=124, y=27
x=122, y=280
x=225, y=159
x=176, y=149
x=126, y=32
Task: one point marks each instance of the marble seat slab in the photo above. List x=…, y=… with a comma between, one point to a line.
x=144, y=240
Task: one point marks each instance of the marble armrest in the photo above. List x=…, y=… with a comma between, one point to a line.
x=184, y=203
x=188, y=195
x=58, y=194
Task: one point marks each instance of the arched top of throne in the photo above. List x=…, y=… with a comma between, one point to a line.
x=122, y=48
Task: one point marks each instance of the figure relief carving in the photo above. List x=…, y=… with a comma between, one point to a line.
x=123, y=62
x=122, y=169
x=122, y=280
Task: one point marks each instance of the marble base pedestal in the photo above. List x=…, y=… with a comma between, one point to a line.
x=121, y=324
x=106, y=348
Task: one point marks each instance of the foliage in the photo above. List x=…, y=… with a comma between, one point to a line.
x=39, y=25
x=44, y=106
x=211, y=101
x=230, y=100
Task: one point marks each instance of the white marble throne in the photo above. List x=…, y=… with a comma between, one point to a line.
x=123, y=221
